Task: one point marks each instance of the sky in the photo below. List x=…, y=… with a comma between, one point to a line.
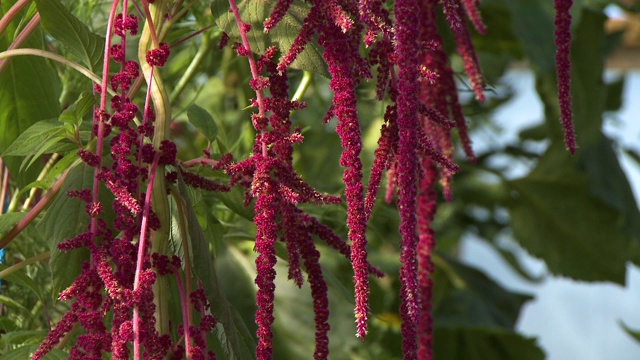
x=572, y=320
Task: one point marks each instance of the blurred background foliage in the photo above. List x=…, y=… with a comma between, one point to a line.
x=577, y=214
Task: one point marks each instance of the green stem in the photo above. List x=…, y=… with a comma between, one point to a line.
x=193, y=66
x=304, y=85
x=44, y=256
x=162, y=107
x=35, y=211
x=43, y=173
x=52, y=56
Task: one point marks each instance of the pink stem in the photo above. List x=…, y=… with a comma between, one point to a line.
x=141, y=251
x=192, y=35
x=147, y=102
x=5, y=182
x=185, y=316
x=21, y=38
x=9, y=15
x=200, y=161
x=35, y=211
x=252, y=63
x=103, y=107
x=147, y=14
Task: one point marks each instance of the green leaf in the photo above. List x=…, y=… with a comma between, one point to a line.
x=557, y=218
x=29, y=90
x=468, y=298
x=31, y=139
x=64, y=219
x=282, y=36
x=233, y=339
x=234, y=200
x=18, y=277
x=588, y=90
x=615, y=90
x=635, y=334
x=74, y=113
x=483, y=344
x=71, y=32
x=12, y=303
x=26, y=353
x=532, y=23
x=9, y=220
x=608, y=182
x=203, y=121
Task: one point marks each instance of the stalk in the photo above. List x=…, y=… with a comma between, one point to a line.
x=162, y=107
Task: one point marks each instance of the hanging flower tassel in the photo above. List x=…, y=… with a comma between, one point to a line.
x=407, y=34
x=563, y=70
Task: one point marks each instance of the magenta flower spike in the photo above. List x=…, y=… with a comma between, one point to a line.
x=407, y=34
x=563, y=70
x=471, y=7
x=426, y=212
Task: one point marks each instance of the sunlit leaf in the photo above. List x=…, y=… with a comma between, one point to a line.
x=71, y=32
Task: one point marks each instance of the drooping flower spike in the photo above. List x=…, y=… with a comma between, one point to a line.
x=563, y=70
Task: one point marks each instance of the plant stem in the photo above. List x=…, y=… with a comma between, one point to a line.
x=5, y=185
x=190, y=71
x=162, y=107
x=181, y=205
x=184, y=304
x=52, y=56
x=304, y=85
x=35, y=211
x=103, y=110
x=252, y=63
x=20, y=39
x=44, y=256
x=11, y=13
x=142, y=243
x=43, y=173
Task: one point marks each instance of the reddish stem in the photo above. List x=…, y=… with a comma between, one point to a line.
x=200, y=161
x=5, y=183
x=252, y=63
x=141, y=251
x=11, y=13
x=152, y=29
x=103, y=107
x=34, y=212
x=184, y=304
x=21, y=39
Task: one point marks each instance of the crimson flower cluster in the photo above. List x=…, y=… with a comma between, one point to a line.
x=118, y=276
x=415, y=147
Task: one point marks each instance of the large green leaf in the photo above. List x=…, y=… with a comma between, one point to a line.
x=608, y=182
x=20, y=278
x=483, y=344
x=64, y=219
x=468, y=298
x=533, y=25
x=9, y=220
x=282, y=36
x=235, y=341
x=71, y=32
x=588, y=91
x=29, y=90
x=556, y=218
